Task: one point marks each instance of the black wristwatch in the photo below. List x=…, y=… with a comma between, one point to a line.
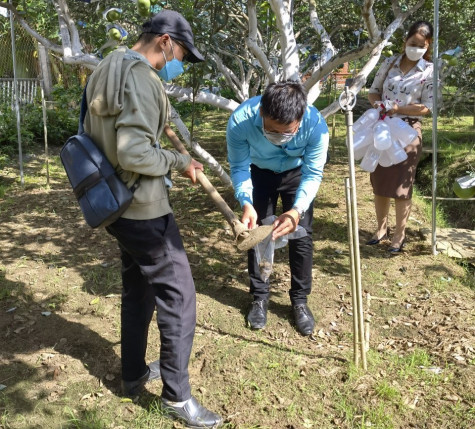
x=299, y=211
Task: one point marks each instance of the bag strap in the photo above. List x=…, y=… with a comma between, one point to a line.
x=82, y=116
x=82, y=113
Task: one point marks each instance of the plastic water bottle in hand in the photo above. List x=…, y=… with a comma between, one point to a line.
x=401, y=131
x=361, y=141
x=367, y=119
x=382, y=136
x=385, y=159
x=397, y=154
x=371, y=159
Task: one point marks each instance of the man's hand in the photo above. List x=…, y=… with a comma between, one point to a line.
x=285, y=224
x=249, y=216
x=190, y=172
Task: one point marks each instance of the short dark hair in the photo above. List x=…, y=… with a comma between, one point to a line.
x=426, y=30
x=146, y=38
x=284, y=101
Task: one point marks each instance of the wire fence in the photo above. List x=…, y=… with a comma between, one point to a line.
x=25, y=52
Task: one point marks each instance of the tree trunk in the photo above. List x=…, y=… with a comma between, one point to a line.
x=45, y=70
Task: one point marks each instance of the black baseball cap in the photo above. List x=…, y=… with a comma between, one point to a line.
x=177, y=27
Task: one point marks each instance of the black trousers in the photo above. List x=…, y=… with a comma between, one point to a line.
x=268, y=187
x=156, y=274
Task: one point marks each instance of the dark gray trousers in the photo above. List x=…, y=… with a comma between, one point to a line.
x=156, y=274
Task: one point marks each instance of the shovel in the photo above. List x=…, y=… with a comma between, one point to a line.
x=245, y=238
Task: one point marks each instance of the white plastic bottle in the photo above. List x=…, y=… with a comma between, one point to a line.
x=367, y=119
x=371, y=159
x=361, y=141
x=382, y=136
x=401, y=131
x=397, y=154
x=385, y=159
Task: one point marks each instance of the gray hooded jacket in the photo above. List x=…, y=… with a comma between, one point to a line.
x=127, y=111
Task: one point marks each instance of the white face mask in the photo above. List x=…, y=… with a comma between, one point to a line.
x=277, y=138
x=414, y=53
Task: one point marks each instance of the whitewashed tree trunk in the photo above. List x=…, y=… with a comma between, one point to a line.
x=288, y=44
x=45, y=68
x=214, y=165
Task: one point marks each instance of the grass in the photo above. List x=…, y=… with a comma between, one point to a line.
x=271, y=379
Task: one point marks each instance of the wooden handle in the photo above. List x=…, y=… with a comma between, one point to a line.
x=204, y=182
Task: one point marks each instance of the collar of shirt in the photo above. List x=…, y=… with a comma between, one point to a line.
x=421, y=64
x=258, y=119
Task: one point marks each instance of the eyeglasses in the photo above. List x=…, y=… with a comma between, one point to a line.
x=186, y=52
x=292, y=133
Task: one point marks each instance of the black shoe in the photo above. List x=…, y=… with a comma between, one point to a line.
x=193, y=414
x=374, y=241
x=304, y=319
x=394, y=250
x=257, y=317
x=136, y=387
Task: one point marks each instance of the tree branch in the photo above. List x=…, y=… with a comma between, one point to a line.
x=230, y=77
x=288, y=44
x=370, y=20
x=45, y=42
x=197, y=149
x=186, y=94
x=252, y=44
x=328, y=49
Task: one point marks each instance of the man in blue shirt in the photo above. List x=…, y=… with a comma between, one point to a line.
x=277, y=146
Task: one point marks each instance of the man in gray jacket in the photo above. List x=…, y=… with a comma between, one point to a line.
x=127, y=112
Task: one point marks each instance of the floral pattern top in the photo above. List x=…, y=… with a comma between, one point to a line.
x=414, y=87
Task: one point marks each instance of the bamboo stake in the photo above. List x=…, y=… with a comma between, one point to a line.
x=347, y=101
x=356, y=333
x=367, y=321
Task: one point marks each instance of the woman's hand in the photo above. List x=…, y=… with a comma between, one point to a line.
x=408, y=110
x=395, y=109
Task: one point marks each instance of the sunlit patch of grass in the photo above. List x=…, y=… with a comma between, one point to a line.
x=90, y=419
x=378, y=416
x=384, y=390
x=441, y=217
x=344, y=406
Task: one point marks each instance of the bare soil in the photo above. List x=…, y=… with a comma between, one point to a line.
x=60, y=303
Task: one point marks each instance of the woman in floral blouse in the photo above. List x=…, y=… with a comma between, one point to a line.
x=404, y=82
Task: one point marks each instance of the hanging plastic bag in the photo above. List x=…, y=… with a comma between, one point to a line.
x=266, y=248
x=464, y=187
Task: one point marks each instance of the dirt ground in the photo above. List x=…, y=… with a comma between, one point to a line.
x=60, y=303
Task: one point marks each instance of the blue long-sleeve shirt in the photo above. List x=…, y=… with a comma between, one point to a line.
x=247, y=145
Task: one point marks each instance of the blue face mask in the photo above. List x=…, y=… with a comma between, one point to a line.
x=171, y=69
